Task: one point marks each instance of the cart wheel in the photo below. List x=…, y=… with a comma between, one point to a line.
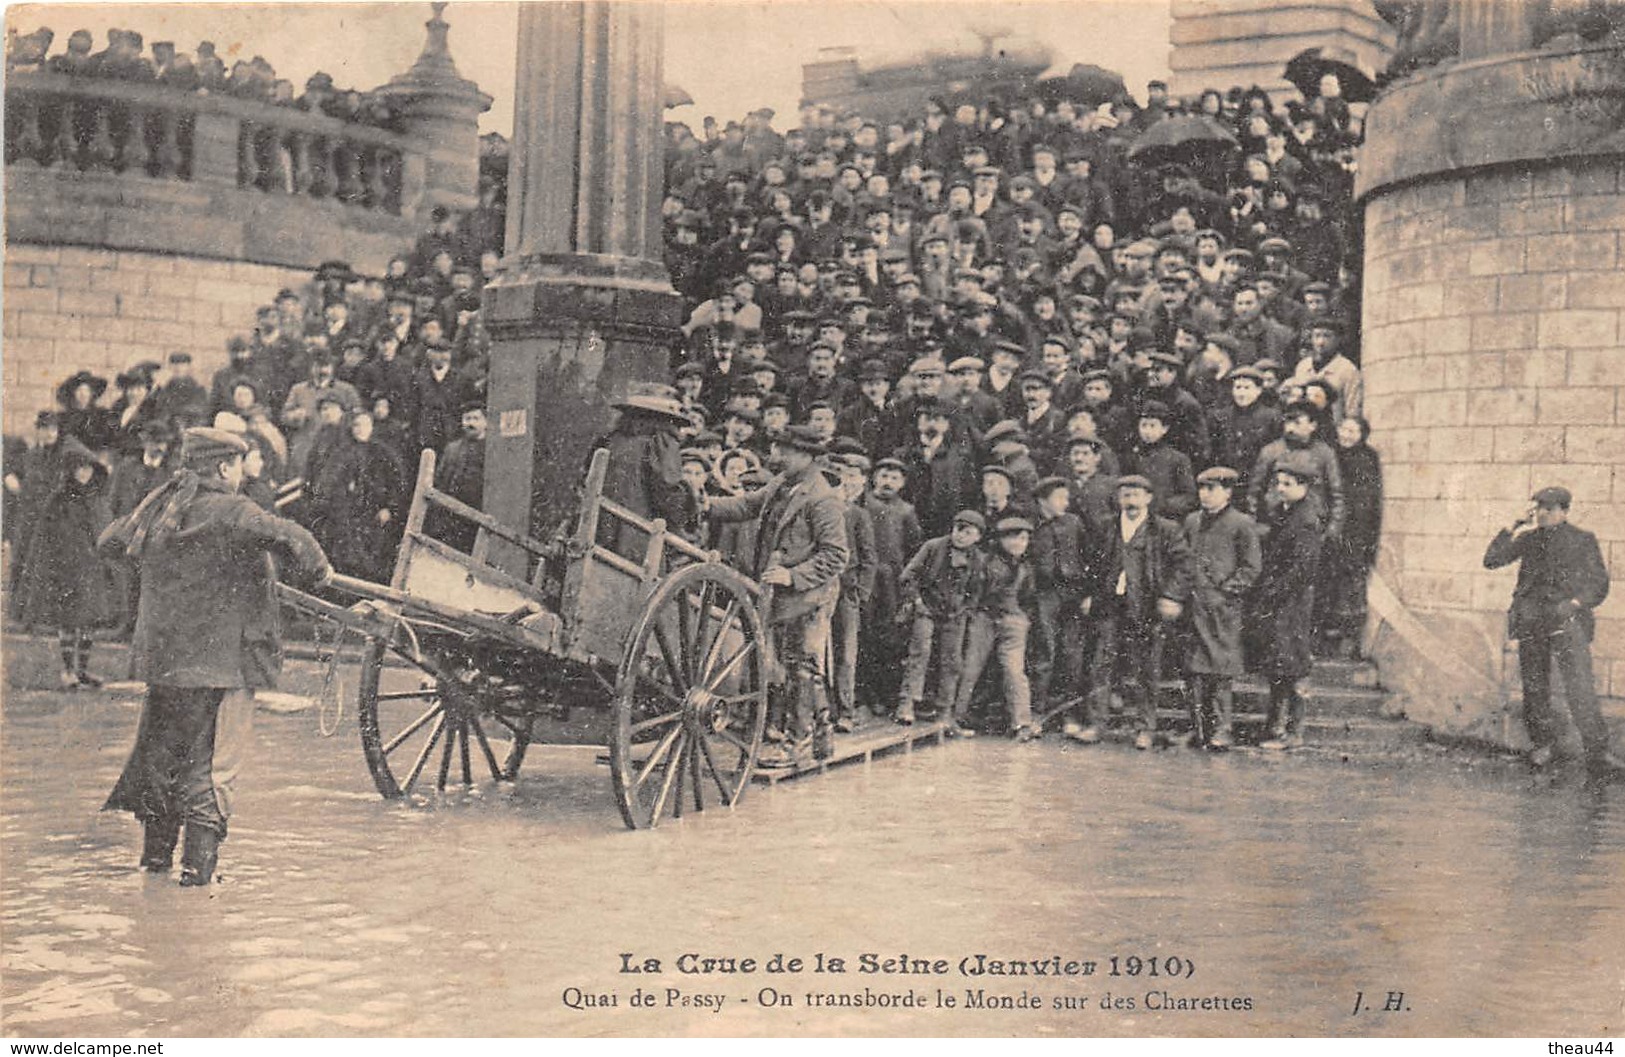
x=429, y=735
x=691, y=697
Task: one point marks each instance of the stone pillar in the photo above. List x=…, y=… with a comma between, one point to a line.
x=1494, y=354
x=441, y=114
x=583, y=304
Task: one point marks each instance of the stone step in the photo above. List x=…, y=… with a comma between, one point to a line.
x=1361, y=675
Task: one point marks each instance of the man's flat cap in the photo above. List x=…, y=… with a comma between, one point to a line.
x=1553, y=496
x=1218, y=475
x=1010, y=525
x=1135, y=480
x=202, y=444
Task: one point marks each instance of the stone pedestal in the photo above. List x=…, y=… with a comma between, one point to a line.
x=1494, y=358
x=441, y=111
x=583, y=304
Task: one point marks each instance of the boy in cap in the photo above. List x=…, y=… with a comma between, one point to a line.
x=1062, y=552
x=1283, y=600
x=1243, y=424
x=1167, y=468
x=942, y=583
x=897, y=536
x=1140, y=585
x=999, y=625
x=1561, y=579
x=205, y=632
x=851, y=469
x=1226, y=562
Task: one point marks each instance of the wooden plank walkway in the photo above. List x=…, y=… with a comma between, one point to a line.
x=878, y=739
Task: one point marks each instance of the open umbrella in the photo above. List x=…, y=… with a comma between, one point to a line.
x=1308, y=66
x=1085, y=84
x=1184, y=138
x=672, y=97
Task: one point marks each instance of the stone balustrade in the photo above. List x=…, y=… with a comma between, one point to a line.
x=71, y=124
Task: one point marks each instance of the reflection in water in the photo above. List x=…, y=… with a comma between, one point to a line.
x=1491, y=901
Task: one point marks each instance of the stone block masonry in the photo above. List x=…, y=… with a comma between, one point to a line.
x=1494, y=347
x=67, y=308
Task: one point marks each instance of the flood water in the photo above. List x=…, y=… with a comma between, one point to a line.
x=1491, y=900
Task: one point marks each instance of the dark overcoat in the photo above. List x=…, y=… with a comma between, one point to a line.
x=208, y=611
x=1283, y=601
x=897, y=537
x=1226, y=561
x=62, y=584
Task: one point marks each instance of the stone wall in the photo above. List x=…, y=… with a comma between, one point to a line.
x=68, y=308
x=1495, y=364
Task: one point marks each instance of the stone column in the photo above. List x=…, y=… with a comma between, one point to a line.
x=583, y=304
x=1494, y=352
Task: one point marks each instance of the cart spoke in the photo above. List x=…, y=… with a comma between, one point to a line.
x=497, y=773
x=682, y=777
x=685, y=637
x=654, y=757
x=729, y=615
x=423, y=757
x=716, y=772
x=729, y=668
x=671, y=772
x=407, y=695
x=697, y=645
x=735, y=740
x=655, y=721
x=445, y=757
x=679, y=678
x=468, y=771
x=664, y=691
x=437, y=709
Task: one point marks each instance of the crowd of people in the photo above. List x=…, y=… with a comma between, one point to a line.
x=337, y=389
x=1091, y=408
x=1091, y=412
x=125, y=58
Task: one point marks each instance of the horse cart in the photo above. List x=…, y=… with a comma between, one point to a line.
x=618, y=633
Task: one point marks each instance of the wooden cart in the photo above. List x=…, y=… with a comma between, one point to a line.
x=620, y=634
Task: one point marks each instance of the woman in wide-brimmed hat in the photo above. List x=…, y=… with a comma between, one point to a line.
x=64, y=585
x=81, y=417
x=645, y=472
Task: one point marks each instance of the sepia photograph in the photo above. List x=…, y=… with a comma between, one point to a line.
x=592, y=519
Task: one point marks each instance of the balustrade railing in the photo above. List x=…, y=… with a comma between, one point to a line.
x=73, y=124
x=66, y=125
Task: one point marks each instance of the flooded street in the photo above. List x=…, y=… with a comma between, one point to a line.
x=1493, y=901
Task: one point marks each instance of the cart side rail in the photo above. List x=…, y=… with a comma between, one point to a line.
x=426, y=498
